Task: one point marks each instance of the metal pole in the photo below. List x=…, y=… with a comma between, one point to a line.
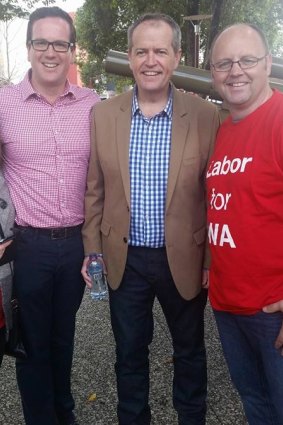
x=184, y=77
x=197, y=31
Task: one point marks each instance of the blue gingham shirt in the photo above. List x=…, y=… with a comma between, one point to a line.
x=150, y=143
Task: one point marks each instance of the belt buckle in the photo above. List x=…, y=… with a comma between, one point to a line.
x=59, y=233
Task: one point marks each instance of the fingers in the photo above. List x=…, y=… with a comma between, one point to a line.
x=272, y=308
x=205, y=279
x=85, y=274
x=3, y=246
x=279, y=340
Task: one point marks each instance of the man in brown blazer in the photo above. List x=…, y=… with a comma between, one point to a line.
x=146, y=215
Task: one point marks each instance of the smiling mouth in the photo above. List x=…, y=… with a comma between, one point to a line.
x=236, y=84
x=151, y=73
x=50, y=65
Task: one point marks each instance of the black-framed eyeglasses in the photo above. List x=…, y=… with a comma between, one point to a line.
x=245, y=62
x=58, y=45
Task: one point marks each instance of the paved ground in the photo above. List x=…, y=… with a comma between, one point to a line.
x=93, y=372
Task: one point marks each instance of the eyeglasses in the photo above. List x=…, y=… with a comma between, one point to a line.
x=58, y=46
x=245, y=62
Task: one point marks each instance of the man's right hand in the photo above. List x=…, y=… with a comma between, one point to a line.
x=3, y=246
x=85, y=274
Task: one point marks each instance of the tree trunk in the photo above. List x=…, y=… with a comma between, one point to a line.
x=216, y=15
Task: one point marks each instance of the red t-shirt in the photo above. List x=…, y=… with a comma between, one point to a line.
x=2, y=319
x=245, y=211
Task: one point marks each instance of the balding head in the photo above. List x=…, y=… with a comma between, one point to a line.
x=242, y=26
x=241, y=65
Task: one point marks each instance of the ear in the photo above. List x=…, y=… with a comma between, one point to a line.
x=28, y=52
x=212, y=76
x=177, y=58
x=73, y=55
x=268, y=64
x=130, y=58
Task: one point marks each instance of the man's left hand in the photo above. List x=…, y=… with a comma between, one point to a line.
x=272, y=308
x=205, y=279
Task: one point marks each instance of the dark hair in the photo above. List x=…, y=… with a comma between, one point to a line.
x=176, y=40
x=50, y=12
x=252, y=26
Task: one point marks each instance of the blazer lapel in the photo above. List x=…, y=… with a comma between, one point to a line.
x=123, y=126
x=180, y=128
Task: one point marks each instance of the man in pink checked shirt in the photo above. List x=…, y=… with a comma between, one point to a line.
x=44, y=128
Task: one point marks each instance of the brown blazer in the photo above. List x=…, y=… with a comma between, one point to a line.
x=107, y=202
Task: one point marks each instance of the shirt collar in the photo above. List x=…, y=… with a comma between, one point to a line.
x=168, y=109
x=28, y=91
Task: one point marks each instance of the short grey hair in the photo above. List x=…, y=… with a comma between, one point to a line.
x=177, y=36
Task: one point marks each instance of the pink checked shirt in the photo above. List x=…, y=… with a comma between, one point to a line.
x=46, y=152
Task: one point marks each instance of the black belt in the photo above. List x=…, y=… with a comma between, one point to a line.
x=146, y=247
x=53, y=232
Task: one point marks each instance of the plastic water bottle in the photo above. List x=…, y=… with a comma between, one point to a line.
x=95, y=271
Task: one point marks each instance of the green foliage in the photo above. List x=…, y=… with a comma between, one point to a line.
x=267, y=14
x=102, y=24
x=93, y=75
x=10, y=9
x=31, y=3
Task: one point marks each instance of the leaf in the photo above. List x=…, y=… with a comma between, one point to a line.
x=169, y=360
x=92, y=397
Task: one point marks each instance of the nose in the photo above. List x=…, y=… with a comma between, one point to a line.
x=50, y=50
x=236, y=68
x=151, y=59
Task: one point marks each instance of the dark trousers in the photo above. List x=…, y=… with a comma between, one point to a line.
x=49, y=287
x=256, y=366
x=147, y=275
x=2, y=343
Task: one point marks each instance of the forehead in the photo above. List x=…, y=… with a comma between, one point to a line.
x=150, y=31
x=52, y=27
x=237, y=41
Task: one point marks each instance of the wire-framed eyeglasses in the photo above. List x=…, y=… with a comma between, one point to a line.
x=245, y=62
x=58, y=45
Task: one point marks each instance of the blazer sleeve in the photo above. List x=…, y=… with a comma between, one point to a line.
x=214, y=129
x=94, y=197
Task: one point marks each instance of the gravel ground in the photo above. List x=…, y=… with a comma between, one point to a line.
x=93, y=374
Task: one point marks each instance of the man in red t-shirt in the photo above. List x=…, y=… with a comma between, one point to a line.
x=245, y=221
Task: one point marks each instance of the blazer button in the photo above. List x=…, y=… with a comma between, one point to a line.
x=125, y=240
